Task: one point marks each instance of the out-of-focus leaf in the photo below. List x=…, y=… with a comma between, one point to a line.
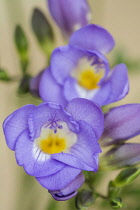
x=4, y=76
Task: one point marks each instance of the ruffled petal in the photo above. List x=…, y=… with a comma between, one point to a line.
x=84, y=153
x=121, y=123
x=44, y=114
x=50, y=90
x=15, y=124
x=33, y=164
x=93, y=37
x=87, y=111
x=60, y=179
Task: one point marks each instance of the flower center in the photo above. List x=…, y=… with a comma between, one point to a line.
x=53, y=144
x=89, y=72
x=89, y=79
x=55, y=138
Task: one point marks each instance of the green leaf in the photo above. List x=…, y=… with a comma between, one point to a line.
x=4, y=76
x=126, y=177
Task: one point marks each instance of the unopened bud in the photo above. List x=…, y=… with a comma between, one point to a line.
x=125, y=177
x=43, y=31
x=22, y=47
x=117, y=203
x=85, y=198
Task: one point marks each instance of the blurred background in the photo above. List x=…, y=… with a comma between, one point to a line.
x=19, y=191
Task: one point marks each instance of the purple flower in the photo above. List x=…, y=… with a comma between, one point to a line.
x=69, y=15
x=121, y=123
x=80, y=70
x=123, y=155
x=54, y=144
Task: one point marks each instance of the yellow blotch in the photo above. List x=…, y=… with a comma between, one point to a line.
x=89, y=79
x=53, y=144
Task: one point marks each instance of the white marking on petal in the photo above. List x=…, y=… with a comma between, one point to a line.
x=84, y=93
x=38, y=154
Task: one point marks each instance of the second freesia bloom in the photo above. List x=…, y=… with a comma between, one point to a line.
x=80, y=70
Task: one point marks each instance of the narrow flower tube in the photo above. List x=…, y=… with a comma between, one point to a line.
x=69, y=15
x=121, y=123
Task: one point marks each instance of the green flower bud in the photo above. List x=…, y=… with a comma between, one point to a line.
x=22, y=47
x=126, y=177
x=85, y=198
x=117, y=203
x=43, y=31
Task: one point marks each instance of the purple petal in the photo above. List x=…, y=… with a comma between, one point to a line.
x=84, y=153
x=102, y=94
x=34, y=167
x=124, y=155
x=87, y=111
x=121, y=123
x=69, y=89
x=15, y=124
x=69, y=57
x=70, y=190
x=60, y=179
x=93, y=37
x=50, y=90
x=119, y=84
x=69, y=14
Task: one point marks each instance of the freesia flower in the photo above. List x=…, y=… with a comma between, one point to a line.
x=121, y=124
x=54, y=144
x=80, y=70
x=69, y=15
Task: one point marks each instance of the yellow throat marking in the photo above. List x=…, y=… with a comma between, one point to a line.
x=89, y=79
x=53, y=144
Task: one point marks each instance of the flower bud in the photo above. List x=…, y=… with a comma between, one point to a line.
x=125, y=177
x=34, y=84
x=123, y=155
x=22, y=47
x=43, y=31
x=70, y=190
x=117, y=203
x=85, y=198
x=69, y=15
x=121, y=123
